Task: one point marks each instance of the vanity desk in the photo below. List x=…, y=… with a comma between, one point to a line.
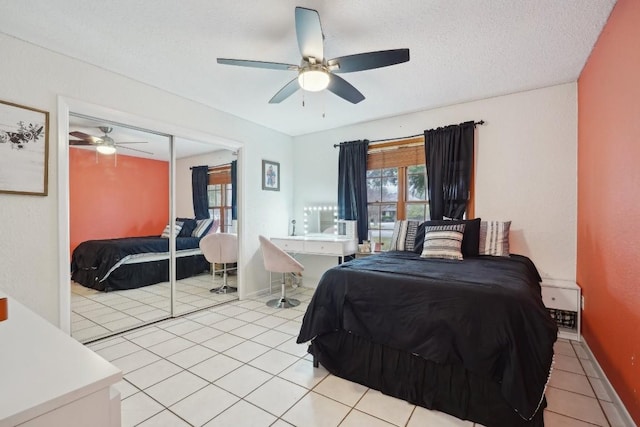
x=318, y=244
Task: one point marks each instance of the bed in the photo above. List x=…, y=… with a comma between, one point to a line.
x=133, y=262
x=471, y=338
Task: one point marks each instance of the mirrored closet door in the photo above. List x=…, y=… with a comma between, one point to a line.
x=120, y=182
x=194, y=292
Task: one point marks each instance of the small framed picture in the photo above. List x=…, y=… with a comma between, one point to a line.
x=270, y=175
x=24, y=149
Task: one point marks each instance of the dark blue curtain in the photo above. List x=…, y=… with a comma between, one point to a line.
x=352, y=185
x=234, y=189
x=449, y=155
x=199, y=182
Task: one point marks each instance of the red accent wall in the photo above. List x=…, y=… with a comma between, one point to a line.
x=108, y=199
x=608, y=263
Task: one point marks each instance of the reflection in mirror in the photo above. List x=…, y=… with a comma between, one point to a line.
x=120, y=230
x=321, y=219
x=195, y=292
x=118, y=208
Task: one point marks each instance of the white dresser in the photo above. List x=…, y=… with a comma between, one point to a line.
x=318, y=244
x=49, y=379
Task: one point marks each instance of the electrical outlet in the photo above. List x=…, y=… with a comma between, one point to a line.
x=582, y=302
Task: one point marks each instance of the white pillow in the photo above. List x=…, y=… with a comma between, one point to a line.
x=494, y=238
x=167, y=229
x=202, y=227
x=404, y=235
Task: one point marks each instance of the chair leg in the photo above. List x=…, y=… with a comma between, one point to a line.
x=224, y=289
x=283, y=301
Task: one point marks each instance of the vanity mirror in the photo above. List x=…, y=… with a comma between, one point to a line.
x=321, y=219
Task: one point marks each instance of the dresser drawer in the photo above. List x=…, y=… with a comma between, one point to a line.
x=561, y=299
x=287, y=245
x=323, y=247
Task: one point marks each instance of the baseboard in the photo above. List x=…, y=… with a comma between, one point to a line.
x=612, y=392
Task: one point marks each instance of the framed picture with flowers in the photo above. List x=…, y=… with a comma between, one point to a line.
x=270, y=175
x=24, y=149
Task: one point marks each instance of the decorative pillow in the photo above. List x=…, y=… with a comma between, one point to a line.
x=214, y=227
x=167, y=230
x=443, y=242
x=470, y=239
x=404, y=235
x=494, y=238
x=202, y=227
x=188, y=225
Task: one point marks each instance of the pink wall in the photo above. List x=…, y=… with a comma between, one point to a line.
x=608, y=256
x=109, y=200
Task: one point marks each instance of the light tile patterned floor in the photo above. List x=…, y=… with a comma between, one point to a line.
x=96, y=314
x=238, y=365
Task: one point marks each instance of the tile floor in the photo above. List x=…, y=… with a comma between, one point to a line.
x=96, y=314
x=238, y=365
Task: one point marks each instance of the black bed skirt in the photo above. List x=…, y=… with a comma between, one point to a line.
x=132, y=276
x=446, y=388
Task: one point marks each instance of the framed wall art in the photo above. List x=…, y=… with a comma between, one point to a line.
x=24, y=149
x=270, y=175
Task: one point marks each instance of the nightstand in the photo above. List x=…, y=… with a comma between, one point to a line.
x=563, y=295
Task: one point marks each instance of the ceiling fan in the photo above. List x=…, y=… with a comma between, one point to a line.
x=315, y=72
x=104, y=144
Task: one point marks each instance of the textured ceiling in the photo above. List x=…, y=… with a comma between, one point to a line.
x=461, y=50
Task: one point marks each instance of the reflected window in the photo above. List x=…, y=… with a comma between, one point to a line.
x=219, y=190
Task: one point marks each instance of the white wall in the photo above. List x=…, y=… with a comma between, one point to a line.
x=35, y=77
x=526, y=169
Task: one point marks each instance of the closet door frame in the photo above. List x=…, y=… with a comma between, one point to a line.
x=67, y=105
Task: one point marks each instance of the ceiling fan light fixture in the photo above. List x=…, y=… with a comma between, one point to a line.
x=106, y=149
x=313, y=79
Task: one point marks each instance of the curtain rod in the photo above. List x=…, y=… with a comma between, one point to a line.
x=214, y=166
x=481, y=122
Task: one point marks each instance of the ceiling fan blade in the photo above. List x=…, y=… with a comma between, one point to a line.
x=257, y=64
x=131, y=142
x=86, y=136
x=78, y=142
x=344, y=89
x=288, y=90
x=309, y=33
x=368, y=61
x=135, y=149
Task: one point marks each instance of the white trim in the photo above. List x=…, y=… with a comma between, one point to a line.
x=67, y=105
x=64, y=275
x=612, y=392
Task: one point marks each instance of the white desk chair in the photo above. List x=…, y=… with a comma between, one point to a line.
x=278, y=261
x=220, y=248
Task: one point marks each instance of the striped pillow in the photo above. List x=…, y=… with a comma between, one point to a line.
x=443, y=241
x=167, y=230
x=202, y=227
x=494, y=238
x=404, y=235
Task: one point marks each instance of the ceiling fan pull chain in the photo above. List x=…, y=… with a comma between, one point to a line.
x=324, y=107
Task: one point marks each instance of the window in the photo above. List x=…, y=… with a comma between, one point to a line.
x=396, y=187
x=219, y=190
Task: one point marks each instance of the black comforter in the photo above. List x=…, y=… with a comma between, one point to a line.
x=94, y=262
x=483, y=313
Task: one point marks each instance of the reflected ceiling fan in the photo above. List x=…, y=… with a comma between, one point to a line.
x=315, y=72
x=104, y=144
